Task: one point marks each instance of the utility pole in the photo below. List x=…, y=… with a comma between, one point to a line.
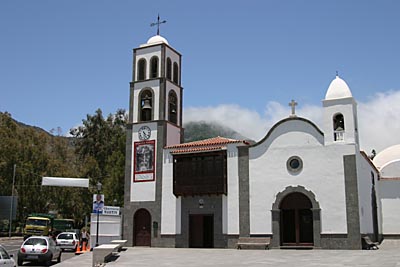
x=12, y=202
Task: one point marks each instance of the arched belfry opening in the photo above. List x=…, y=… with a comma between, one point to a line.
x=176, y=73
x=172, y=107
x=169, y=69
x=141, y=74
x=142, y=228
x=296, y=219
x=154, y=67
x=146, y=105
x=338, y=127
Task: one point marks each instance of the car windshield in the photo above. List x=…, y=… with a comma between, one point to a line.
x=36, y=222
x=4, y=254
x=65, y=236
x=36, y=241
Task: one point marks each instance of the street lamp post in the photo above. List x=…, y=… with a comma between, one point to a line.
x=98, y=212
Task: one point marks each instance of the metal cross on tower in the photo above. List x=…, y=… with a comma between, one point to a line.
x=158, y=24
x=293, y=104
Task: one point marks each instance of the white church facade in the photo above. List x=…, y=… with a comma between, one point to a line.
x=300, y=185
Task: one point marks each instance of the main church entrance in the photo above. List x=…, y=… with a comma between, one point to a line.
x=296, y=222
x=142, y=228
x=201, y=231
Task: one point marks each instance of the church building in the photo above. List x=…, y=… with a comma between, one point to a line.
x=300, y=185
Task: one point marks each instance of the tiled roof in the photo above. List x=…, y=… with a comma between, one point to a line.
x=197, y=149
x=390, y=178
x=211, y=144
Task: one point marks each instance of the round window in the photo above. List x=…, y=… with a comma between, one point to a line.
x=294, y=164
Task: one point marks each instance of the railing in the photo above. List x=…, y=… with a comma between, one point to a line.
x=338, y=135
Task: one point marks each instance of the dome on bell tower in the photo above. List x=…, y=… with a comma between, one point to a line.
x=338, y=89
x=157, y=39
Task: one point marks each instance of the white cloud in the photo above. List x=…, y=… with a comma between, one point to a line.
x=378, y=119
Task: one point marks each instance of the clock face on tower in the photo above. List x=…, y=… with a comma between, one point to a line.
x=144, y=133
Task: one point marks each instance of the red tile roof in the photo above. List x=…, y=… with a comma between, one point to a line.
x=211, y=144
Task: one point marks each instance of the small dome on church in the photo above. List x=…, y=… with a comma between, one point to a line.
x=388, y=155
x=338, y=89
x=157, y=39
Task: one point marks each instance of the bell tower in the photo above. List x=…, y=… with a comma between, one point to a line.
x=340, y=114
x=155, y=121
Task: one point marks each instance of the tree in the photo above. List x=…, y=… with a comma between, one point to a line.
x=36, y=154
x=100, y=147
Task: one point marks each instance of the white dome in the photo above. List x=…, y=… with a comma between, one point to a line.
x=338, y=89
x=157, y=39
x=386, y=156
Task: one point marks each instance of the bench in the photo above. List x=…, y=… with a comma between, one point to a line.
x=253, y=242
x=368, y=244
x=120, y=243
x=103, y=252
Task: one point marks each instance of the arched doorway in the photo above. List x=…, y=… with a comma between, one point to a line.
x=142, y=228
x=296, y=222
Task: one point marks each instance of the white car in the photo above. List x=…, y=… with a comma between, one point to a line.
x=39, y=249
x=67, y=240
x=6, y=259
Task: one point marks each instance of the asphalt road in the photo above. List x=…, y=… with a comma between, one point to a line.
x=13, y=245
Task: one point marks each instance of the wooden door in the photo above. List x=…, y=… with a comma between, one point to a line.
x=142, y=228
x=201, y=231
x=297, y=226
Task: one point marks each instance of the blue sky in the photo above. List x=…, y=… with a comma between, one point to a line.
x=61, y=60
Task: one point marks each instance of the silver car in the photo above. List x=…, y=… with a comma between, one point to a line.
x=6, y=259
x=39, y=249
x=67, y=240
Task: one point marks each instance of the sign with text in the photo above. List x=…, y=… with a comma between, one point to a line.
x=110, y=210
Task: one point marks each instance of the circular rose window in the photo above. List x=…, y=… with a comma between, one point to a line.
x=294, y=164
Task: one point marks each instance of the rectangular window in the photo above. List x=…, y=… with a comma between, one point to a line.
x=200, y=174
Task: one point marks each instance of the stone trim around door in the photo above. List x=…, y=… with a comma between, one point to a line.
x=276, y=215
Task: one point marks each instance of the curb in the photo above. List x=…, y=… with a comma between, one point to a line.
x=12, y=238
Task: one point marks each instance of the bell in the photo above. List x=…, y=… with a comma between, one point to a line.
x=146, y=104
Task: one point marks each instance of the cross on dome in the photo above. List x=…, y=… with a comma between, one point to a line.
x=293, y=104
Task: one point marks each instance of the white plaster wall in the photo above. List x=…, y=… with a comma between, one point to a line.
x=389, y=193
x=155, y=86
x=143, y=191
x=173, y=135
x=170, y=205
x=148, y=53
x=364, y=182
x=110, y=228
x=322, y=173
x=231, y=205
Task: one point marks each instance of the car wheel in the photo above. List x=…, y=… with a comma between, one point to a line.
x=59, y=258
x=20, y=262
x=48, y=261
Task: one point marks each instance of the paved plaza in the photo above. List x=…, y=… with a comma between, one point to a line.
x=387, y=255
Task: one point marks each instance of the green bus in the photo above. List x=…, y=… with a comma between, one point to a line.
x=63, y=225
